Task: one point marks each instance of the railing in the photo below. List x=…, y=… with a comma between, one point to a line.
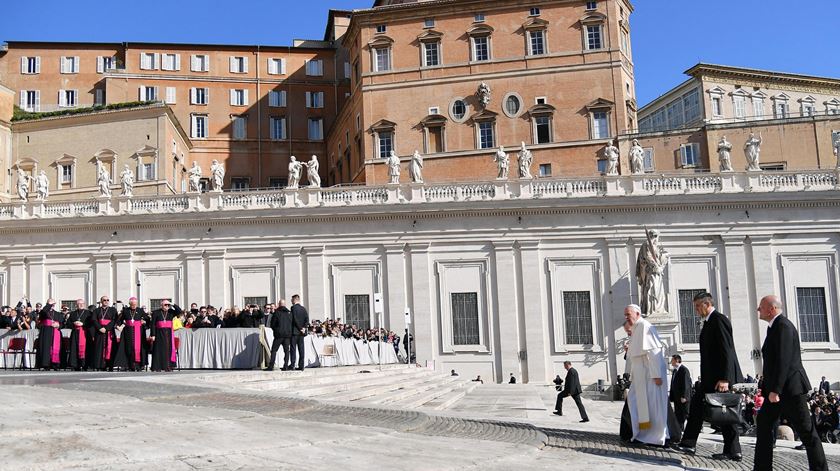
x=628, y=186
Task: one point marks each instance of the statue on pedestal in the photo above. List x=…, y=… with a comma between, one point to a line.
x=752, y=149
x=42, y=186
x=483, y=94
x=393, y=168
x=415, y=169
x=611, y=153
x=525, y=161
x=23, y=185
x=217, y=171
x=837, y=149
x=295, y=169
x=103, y=179
x=127, y=181
x=195, y=178
x=637, y=158
x=651, y=264
x=724, y=148
x=502, y=163
x=312, y=168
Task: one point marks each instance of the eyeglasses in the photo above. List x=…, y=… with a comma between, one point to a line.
x=105, y=300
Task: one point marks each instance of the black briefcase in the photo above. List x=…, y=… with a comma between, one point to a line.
x=724, y=409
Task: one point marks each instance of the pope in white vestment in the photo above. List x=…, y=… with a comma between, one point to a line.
x=647, y=400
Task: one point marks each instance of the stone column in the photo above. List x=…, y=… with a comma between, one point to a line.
x=621, y=285
x=125, y=287
x=37, y=279
x=218, y=288
x=394, y=290
x=763, y=271
x=505, y=317
x=315, y=289
x=17, y=279
x=536, y=330
x=194, y=268
x=292, y=275
x=102, y=277
x=424, y=326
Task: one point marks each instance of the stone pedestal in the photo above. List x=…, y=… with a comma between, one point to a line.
x=104, y=203
x=526, y=190
x=502, y=189
x=19, y=210
x=193, y=201
x=667, y=326
x=417, y=195
x=123, y=204
x=292, y=198
x=393, y=193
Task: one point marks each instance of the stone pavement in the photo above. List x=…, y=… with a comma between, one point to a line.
x=200, y=421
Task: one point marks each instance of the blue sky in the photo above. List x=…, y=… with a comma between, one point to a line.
x=669, y=36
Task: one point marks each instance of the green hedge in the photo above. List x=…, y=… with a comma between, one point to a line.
x=21, y=115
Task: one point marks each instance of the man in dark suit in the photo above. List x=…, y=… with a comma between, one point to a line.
x=281, y=325
x=300, y=320
x=680, y=393
x=719, y=371
x=825, y=387
x=572, y=389
x=786, y=386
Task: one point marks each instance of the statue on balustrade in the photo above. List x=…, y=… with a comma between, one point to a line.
x=295, y=169
x=611, y=153
x=483, y=94
x=837, y=149
x=127, y=182
x=312, y=168
x=23, y=185
x=195, y=178
x=217, y=172
x=525, y=162
x=752, y=149
x=103, y=179
x=651, y=264
x=502, y=163
x=724, y=148
x=42, y=186
x=637, y=158
x=393, y=168
x=415, y=168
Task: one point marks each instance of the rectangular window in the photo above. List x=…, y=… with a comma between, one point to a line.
x=676, y=115
x=240, y=127
x=239, y=97
x=276, y=66
x=30, y=65
x=478, y=18
x=383, y=59
x=316, y=129
x=147, y=171
x=149, y=60
x=260, y=301
x=381, y=28
x=758, y=107
x=465, y=326
x=591, y=5
x=70, y=64
x=199, y=126
x=537, y=43
x=781, y=109
x=314, y=99
x=690, y=155
x=716, y=106
x=807, y=109
x=740, y=104
x=315, y=67
x=240, y=183
x=481, y=48
x=30, y=100
x=545, y=170
x=277, y=98
x=600, y=125
x=386, y=144
x=200, y=63
x=357, y=310
x=689, y=323
x=98, y=96
x=593, y=37
x=155, y=303
x=691, y=105
x=199, y=96
x=148, y=93
x=171, y=62
x=66, y=174
x=649, y=162
x=238, y=64
x=278, y=182
x=813, y=315
x=543, y=128
x=105, y=63
x=278, y=127
x=68, y=98
x=535, y=11
x=486, y=135
x=431, y=53
x=429, y=23
x=577, y=310
x=347, y=71
x=171, y=95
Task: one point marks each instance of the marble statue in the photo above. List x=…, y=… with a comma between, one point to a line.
x=127, y=181
x=393, y=168
x=724, y=148
x=42, y=186
x=651, y=264
x=23, y=185
x=611, y=153
x=502, y=163
x=195, y=178
x=837, y=150
x=637, y=158
x=312, y=168
x=295, y=169
x=752, y=149
x=483, y=94
x=525, y=161
x=415, y=168
x=217, y=172
x=103, y=179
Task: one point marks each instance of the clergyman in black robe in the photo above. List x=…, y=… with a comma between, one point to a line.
x=104, y=345
x=163, y=346
x=49, y=337
x=133, y=342
x=78, y=322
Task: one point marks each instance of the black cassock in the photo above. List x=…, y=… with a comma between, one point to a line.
x=133, y=352
x=163, y=349
x=49, y=338
x=80, y=338
x=104, y=344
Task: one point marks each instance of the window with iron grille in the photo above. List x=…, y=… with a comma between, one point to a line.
x=357, y=310
x=577, y=308
x=689, y=322
x=69, y=304
x=465, y=319
x=260, y=301
x=154, y=303
x=813, y=316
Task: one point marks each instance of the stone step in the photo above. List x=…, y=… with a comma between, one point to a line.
x=448, y=400
x=406, y=393
x=296, y=381
x=350, y=382
x=376, y=390
x=419, y=400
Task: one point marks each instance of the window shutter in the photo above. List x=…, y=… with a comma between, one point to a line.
x=272, y=98
x=283, y=66
x=177, y=61
x=63, y=65
x=23, y=99
x=207, y=96
x=245, y=64
x=37, y=100
x=38, y=65
x=347, y=70
x=232, y=97
x=206, y=63
x=142, y=94
x=156, y=61
x=62, y=98
x=144, y=61
x=283, y=98
x=272, y=66
x=156, y=93
x=683, y=157
x=309, y=99
x=245, y=97
x=75, y=98
x=99, y=96
x=76, y=64
x=192, y=95
x=170, y=95
x=24, y=63
x=232, y=64
x=194, y=63
x=100, y=64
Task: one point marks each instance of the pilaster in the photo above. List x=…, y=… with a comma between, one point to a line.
x=217, y=287
x=395, y=287
x=424, y=323
x=534, y=319
x=315, y=290
x=506, y=315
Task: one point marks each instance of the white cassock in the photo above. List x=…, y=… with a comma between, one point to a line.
x=648, y=402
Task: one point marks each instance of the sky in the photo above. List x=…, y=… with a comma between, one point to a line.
x=669, y=36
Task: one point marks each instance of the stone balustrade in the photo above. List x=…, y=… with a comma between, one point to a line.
x=410, y=193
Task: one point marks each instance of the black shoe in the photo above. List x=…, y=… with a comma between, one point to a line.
x=298, y=369
x=558, y=413
x=735, y=456
x=268, y=369
x=799, y=447
x=687, y=449
x=727, y=456
x=584, y=421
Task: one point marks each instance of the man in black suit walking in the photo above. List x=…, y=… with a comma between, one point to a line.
x=680, y=393
x=281, y=326
x=786, y=387
x=719, y=371
x=572, y=389
x=825, y=387
x=300, y=319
